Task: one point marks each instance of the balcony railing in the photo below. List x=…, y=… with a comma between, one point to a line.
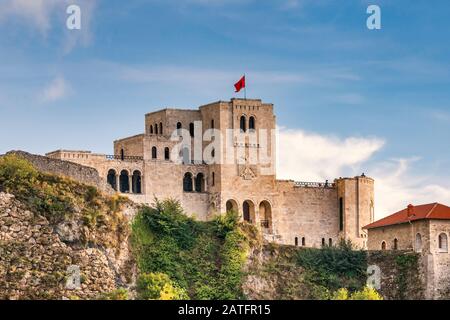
x=124, y=158
x=324, y=185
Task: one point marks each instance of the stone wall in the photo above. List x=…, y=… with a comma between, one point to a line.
x=83, y=174
x=397, y=282
x=306, y=212
x=35, y=256
x=440, y=260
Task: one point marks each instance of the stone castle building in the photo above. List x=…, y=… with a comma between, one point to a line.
x=221, y=157
x=424, y=229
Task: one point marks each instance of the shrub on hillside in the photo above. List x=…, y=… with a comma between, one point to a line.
x=158, y=286
x=366, y=293
x=333, y=268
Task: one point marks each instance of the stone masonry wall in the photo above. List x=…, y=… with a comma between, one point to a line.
x=83, y=174
x=35, y=256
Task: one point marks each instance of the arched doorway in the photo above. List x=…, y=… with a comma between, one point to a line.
x=248, y=211
x=187, y=182
x=232, y=206
x=265, y=214
x=136, y=181
x=111, y=178
x=124, y=181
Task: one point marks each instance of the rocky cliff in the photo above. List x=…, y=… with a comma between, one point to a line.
x=50, y=227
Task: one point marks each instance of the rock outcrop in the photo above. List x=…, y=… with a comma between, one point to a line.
x=36, y=256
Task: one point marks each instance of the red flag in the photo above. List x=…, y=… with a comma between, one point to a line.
x=240, y=84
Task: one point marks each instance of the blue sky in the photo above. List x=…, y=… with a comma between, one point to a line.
x=380, y=99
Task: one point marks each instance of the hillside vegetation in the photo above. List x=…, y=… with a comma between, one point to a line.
x=50, y=222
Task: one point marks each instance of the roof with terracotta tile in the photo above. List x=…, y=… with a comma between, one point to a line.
x=413, y=213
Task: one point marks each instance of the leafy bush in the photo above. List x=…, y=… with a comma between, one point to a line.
x=203, y=258
x=226, y=223
x=44, y=193
x=332, y=268
x=167, y=218
x=158, y=286
x=366, y=293
x=119, y=294
x=16, y=174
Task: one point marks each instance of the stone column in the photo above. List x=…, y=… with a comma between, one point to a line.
x=118, y=182
x=130, y=183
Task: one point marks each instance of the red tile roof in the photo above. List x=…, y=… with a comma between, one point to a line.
x=413, y=213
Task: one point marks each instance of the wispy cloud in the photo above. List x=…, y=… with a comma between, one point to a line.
x=441, y=116
x=315, y=157
x=36, y=13
x=45, y=15
x=56, y=90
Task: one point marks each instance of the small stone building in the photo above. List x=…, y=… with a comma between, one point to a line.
x=229, y=164
x=424, y=229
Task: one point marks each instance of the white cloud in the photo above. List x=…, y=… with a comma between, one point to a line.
x=56, y=90
x=43, y=15
x=35, y=12
x=306, y=156
x=309, y=156
x=396, y=187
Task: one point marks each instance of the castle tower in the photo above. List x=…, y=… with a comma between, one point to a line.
x=355, y=208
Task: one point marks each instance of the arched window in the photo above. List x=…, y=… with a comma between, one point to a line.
x=383, y=245
x=166, y=153
x=213, y=182
x=122, y=154
x=111, y=178
x=124, y=181
x=136, y=182
x=243, y=124
x=191, y=129
x=249, y=211
x=341, y=214
x=443, y=243
x=213, y=153
x=296, y=241
x=231, y=206
x=265, y=214
x=418, y=242
x=395, y=244
x=179, y=126
x=160, y=128
x=303, y=241
x=212, y=124
x=156, y=128
x=323, y=242
x=199, y=182
x=330, y=242
x=151, y=129
x=187, y=182
x=251, y=123
x=154, y=153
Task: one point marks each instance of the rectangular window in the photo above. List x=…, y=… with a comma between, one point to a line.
x=341, y=214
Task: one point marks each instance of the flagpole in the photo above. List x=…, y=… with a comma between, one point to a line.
x=245, y=88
